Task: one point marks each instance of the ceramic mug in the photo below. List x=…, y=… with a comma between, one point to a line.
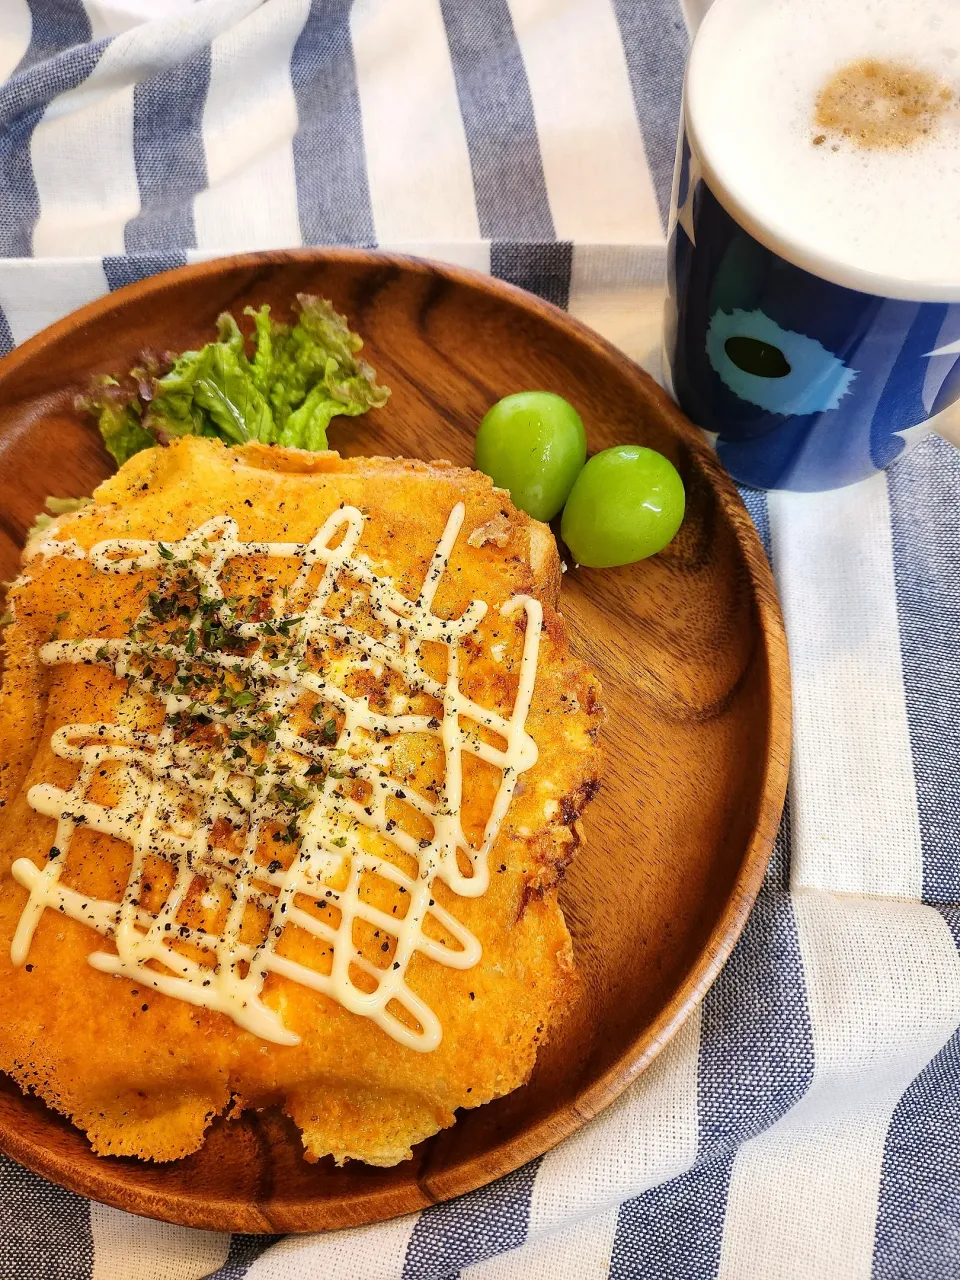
x=810, y=374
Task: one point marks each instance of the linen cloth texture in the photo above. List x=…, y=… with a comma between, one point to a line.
x=804, y=1123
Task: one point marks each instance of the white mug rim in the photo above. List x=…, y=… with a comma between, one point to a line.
x=738, y=205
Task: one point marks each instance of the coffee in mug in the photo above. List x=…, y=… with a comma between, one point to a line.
x=814, y=324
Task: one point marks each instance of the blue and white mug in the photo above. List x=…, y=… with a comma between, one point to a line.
x=809, y=373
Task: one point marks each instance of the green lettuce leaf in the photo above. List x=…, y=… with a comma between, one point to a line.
x=297, y=380
x=306, y=427
x=227, y=391
x=210, y=392
x=171, y=410
x=319, y=376
x=55, y=507
x=65, y=506
x=118, y=413
x=267, y=332
x=229, y=335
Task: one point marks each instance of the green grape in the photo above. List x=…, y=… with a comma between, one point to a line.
x=626, y=504
x=532, y=443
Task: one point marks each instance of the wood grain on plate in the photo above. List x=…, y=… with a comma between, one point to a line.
x=689, y=646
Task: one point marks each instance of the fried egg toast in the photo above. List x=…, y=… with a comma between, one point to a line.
x=294, y=753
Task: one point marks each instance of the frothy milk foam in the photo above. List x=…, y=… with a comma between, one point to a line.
x=882, y=203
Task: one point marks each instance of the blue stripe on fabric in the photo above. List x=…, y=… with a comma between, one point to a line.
x=672, y=1232
x=243, y=1253
x=925, y=523
x=169, y=155
x=6, y=336
x=655, y=42
x=122, y=269
x=543, y=269
x=498, y=121
x=55, y=26
x=755, y=500
x=23, y=100
x=333, y=196
x=453, y=1235
x=44, y=1230
x=756, y=1062
x=918, y=1216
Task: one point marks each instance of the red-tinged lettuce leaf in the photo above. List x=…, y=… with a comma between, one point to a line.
x=118, y=412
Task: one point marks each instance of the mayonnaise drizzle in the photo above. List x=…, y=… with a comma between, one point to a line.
x=157, y=771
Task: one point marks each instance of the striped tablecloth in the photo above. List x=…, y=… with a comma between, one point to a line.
x=806, y=1121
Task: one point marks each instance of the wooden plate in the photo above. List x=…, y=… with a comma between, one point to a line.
x=689, y=646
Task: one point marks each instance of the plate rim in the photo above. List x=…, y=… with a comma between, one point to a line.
x=514, y=1150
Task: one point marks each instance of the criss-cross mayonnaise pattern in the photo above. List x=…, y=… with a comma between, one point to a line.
x=156, y=772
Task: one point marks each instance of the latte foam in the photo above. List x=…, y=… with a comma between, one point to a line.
x=836, y=126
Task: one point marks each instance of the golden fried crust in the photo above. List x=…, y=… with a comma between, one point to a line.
x=144, y=1073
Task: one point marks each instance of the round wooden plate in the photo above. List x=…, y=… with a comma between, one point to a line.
x=689, y=646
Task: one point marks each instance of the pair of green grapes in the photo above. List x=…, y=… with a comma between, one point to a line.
x=622, y=505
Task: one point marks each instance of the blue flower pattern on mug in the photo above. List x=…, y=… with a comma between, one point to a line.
x=803, y=383
x=809, y=379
